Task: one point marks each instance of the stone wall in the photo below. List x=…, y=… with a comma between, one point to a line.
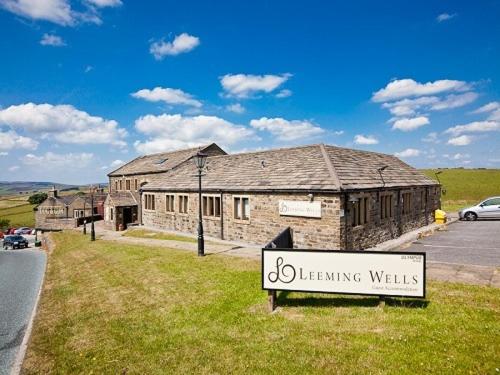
x=141, y=180
x=378, y=230
x=264, y=222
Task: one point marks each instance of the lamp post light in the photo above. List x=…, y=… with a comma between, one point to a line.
x=92, y=229
x=199, y=160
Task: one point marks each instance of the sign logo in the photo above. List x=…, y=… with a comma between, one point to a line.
x=285, y=274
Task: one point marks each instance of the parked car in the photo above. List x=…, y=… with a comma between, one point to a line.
x=10, y=231
x=23, y=230
x=15, y=241
x=1, y=234
x=487, y=209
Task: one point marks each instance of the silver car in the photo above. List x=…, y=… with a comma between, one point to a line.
x=488, y=209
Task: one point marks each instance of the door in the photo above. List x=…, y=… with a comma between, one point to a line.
x=127, y=216
x=490, y=208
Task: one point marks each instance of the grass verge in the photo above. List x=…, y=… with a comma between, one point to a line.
x=114, y=308
x=20, y=215
x=143, y=233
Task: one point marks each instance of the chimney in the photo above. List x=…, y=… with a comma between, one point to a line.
x=53, y=193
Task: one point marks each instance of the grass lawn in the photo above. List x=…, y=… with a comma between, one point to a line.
x=20, y=214
x=143, y=233
x=465, y=187
x=114, y=308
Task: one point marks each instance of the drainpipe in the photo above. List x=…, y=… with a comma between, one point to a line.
x=425, y=209
x=221, y=215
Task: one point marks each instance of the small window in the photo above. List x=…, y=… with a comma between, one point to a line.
x=492, y=202
x=360, y=212
x=127, y=185
x=121, y=186
x=183, y=204
x=406, y=203
x=169, y=203
x=386, y=210
x=149, y=202
x=423, y=200
x=116, y=185
x=211, y=206
x=112, y=214
x=135, y=184
x=241, y=208
x=161, y=161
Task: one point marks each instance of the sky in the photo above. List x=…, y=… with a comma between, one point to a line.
x=88, y=85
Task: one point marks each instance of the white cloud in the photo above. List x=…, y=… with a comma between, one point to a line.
x=286, y=130
x=409, y=124
x=64, y=123
x=181, y=44
x=338, y=132
x=245, y=85
x=463, y=140
x=170, y=132
x=360, y=139
x=408, y=153
x=445, y=17
x=474, y=127
x=285, y=93
x=236, y=108
x=408, y=107
x=51, y=160
x=457, y=156
x=454, y=101
x=3, y=153
x=404, y=88
x=492, y=106
x=167, y=95
x=88, y=68
x=56, y=11
x=432, y=137
x=116, y=163
x=52, y=40
x=105, y=3
x=11, y=141
x=13, y=168
x=495, y=115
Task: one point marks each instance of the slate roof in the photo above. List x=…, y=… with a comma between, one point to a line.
x=311, y=168
x=161, y=162
x=121, y=199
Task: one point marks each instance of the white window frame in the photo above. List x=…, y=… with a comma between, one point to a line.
x=242, y=208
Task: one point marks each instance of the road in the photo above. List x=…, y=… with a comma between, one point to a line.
x=469, y=243
x=21, y=274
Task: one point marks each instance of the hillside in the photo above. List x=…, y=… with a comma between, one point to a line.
x=24, y=187
x=466, y=186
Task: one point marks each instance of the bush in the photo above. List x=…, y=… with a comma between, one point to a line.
x=4, y=223
x=37, y=198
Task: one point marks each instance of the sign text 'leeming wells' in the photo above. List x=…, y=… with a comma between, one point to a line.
x=345, y=272
x=300, y=208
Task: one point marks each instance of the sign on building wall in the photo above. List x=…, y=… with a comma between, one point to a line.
x=51, y=210
x=300, y=208
x=345, y=272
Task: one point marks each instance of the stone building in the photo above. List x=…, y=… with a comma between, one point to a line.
x=123, y=204
x=68, y=211
x=331, y=197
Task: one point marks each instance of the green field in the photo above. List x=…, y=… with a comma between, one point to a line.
x=113, y=308
x=466, y=186
x=19, y=213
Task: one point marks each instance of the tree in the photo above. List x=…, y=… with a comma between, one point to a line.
x=37, y=198
x=4, y=223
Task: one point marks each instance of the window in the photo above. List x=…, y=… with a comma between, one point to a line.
x=423, y=200
x=121, y=187
x=135, y=184
x=386, y=206
x=116, y=185
x=149, y=202
x=492, y=202
x=183, y=204
x=78, y=213
x=112, y=216
x=127, y=185
x=241, y=208
x=360, y=212
x=406, y=203
x=211, y=206
x=169, y=203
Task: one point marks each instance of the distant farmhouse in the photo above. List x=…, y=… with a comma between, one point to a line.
x=69, y=211
x=331, y=197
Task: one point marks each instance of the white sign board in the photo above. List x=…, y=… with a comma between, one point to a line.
x=300, y=208
x=345, y=272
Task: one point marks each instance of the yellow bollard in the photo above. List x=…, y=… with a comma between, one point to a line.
x=440, y=216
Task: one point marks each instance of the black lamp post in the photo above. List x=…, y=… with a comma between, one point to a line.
x=84, y=216
x=92, y=229
x=199, y=160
